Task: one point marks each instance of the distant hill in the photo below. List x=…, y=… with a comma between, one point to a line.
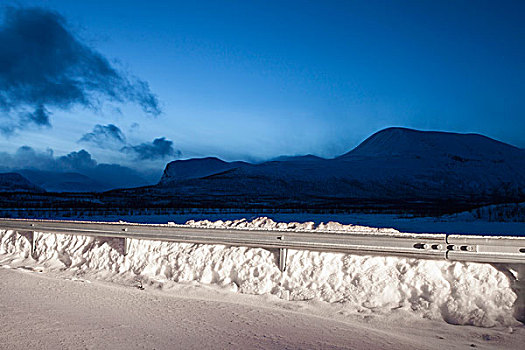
x=103, y=177
x=196, y=168
x=54, y=181
x=393, y=167
x=13, y=182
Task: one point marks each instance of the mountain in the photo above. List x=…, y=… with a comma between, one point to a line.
x=196, y=168
x=118, y=176
x=408, y=143
x=103, y=177
x=13, y=182
x=54, y=181
x=394, y=168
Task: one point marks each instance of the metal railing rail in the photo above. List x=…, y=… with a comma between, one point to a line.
x=486, y=249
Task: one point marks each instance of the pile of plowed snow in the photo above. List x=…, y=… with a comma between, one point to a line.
x=459, y=293
x=265, y=223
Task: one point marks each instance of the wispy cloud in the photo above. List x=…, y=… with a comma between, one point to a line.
x=104, y=136
x=44, y=65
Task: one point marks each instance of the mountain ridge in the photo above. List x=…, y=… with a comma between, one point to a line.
x=197, y=167
x=393, y=165
x=14, y=182
x=402, y=141
x=393, y=169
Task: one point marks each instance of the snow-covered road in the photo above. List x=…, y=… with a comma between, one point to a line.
x=51, y=310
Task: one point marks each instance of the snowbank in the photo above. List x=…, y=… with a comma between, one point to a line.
x=265, y=223
x=458, y=293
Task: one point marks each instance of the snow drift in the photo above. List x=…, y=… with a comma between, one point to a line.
x=458, y=293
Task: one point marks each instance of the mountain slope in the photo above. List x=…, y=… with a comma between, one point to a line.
x=405, y=143
x=13, y=182
x=393, y=168
x=101, y=178
x=55, y=181
x=196, y=168
x=308, y=157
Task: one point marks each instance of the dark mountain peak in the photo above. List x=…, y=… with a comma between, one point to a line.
x=404, y=142
x=196, y=168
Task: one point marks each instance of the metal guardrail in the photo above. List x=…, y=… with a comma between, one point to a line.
x=486, y=249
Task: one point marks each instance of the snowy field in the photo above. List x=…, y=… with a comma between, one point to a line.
x=209, y=296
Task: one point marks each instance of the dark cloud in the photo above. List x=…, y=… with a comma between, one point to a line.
x=111, y=175
x=111, y=135
x=44, y=65
x=40, y=117
x=160, y=148
x=104, y=135
x=76, y=160
x=28, y=158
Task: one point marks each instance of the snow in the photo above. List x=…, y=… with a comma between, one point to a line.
x=265, y=223
x=453, y=292
x=52, y=310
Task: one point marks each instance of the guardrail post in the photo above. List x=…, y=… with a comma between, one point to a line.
x=31, y=237
x=33, y=243
x=519, y=289
x=126, y=245
x=283, y=254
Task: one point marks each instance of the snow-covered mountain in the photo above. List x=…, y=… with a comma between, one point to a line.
x=408, y=143
x=395, y=165
x=13, y=182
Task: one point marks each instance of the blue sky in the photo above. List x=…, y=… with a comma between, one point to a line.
x=253, y=80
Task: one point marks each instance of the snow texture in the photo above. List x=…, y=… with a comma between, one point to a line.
x=265, y=223
x=458, y=293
